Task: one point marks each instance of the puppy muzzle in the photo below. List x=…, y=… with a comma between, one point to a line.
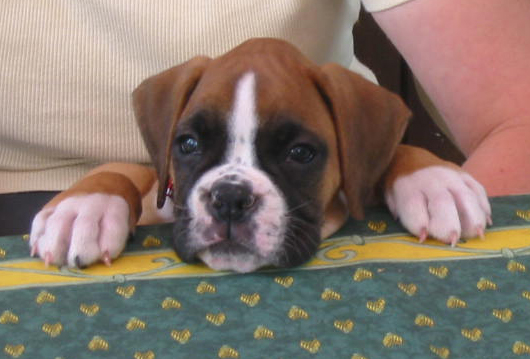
x=236, y=219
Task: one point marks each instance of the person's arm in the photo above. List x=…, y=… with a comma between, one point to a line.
x=473, y=58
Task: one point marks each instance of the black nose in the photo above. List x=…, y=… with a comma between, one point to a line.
x=230, y=202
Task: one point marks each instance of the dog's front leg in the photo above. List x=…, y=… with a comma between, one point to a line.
x=436, y=198
x=91, y=220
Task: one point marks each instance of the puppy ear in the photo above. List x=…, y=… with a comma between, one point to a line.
x=369, y=123
x=158, y=103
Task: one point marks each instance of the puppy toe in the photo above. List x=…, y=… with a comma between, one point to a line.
x=52, y=243
x=38, y=226
x=472, y=217
x=84, y=249
x=100, y=231
x=411, y=209
x=444, y=222
x=479, y=193
x=114, y=229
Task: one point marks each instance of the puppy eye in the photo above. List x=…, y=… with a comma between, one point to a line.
x=301, y=154
x=188, y=145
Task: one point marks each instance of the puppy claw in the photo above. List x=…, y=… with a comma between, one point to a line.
x=453, y=239
x=423, y=235
x=47, y=259
x=480, y=233
x=106, y=259
x=78, y=263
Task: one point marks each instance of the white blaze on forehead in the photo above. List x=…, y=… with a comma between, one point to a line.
x=243, y=122
x=268, y=221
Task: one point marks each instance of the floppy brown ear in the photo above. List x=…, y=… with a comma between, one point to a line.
x=369, y=122
x=158, y=103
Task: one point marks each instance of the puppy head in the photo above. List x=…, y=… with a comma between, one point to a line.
x=259, y=142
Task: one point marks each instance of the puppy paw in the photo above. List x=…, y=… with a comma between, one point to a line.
x=440, y=202
x=81, y=230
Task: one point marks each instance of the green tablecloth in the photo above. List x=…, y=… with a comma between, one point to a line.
x=371, y=292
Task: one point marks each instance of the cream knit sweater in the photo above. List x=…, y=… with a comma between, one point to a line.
x=67, y=69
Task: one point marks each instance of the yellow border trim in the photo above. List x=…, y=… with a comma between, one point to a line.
x=334, y=252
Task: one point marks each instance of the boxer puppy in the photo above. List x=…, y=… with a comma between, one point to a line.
x=266, y=153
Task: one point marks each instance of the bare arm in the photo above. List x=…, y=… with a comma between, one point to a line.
x=473, y=58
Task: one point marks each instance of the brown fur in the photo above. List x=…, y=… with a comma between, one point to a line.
x=409, y=159
x=112, y=183
x=158, y=104
x=361, y=122
x=369, y=123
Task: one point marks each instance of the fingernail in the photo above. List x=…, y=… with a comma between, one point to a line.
x=490, y=222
